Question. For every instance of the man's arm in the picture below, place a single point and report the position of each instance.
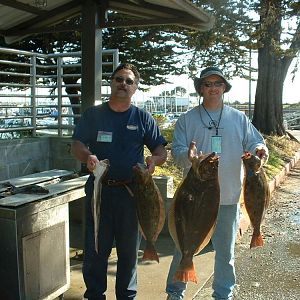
(159, 156)
(83, 154)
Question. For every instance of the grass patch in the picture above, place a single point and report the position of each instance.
(282, 149)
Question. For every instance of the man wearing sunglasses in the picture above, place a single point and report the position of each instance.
(213, 126)
(117, 131)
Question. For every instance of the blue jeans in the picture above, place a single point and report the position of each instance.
(118, 223)
(223, 241)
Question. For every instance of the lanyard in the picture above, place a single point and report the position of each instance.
(216, 126)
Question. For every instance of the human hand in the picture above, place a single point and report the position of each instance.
(150, 161)
(91, 162)
(192, 152)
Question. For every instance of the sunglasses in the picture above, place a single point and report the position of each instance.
(213, 83)
(121, 79)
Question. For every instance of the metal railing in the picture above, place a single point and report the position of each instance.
(40, 93)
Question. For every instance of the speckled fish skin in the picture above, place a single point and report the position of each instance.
(193, 213)
(150, 209)
(256, 195)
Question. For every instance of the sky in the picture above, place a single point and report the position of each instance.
(240, 88)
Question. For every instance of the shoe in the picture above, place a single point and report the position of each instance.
(172, 297)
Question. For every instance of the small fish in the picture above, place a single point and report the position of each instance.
(27, 189)
(99, 172)
(150, 209)
(193, 213)
(256, 195)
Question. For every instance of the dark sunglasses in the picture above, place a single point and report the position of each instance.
(121, 79)
(213, 83)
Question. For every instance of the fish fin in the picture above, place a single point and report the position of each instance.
(187, 274)
(150, 252)
(256, 241)
(142, 232)
(172, 226)
(162, 212)
(206, 240)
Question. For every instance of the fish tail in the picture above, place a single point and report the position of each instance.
(186, 274)
(150, 252)
(256, 241)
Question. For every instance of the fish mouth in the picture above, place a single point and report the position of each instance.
(212, 157)
(246, 155)
(207, 167)
(252, 162)
(106, 161)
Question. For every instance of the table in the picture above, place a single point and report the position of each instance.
(34, 237)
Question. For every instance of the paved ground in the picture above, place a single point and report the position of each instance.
(151, 276)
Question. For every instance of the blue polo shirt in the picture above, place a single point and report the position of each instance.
(118, 136)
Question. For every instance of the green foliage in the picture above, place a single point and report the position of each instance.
(160, 119)
(159, 51)
(240, 26)
(168, 133)
(152, 50)
(282, 150)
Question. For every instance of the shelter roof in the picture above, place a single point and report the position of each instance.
(20, 18)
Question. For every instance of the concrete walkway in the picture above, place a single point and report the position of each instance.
(151, 276)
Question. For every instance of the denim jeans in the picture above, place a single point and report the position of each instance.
(118, 223)
(223, 241)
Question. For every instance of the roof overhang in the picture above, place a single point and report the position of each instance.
(20, 18)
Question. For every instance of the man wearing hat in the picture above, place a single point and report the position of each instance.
(209, 127)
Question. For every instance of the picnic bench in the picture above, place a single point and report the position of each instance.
(34, 231)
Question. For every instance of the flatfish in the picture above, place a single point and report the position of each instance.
(256, 195)
(150, 209)
(193, 213)
(99, 172)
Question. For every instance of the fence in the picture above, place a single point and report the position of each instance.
(40, 93)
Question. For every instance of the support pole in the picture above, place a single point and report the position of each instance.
(91, 55)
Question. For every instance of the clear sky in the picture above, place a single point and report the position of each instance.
(240, 88)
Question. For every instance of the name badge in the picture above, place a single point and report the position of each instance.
(216, 144)
(132, 127)
(104, 136)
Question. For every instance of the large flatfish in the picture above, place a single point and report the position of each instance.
(99, 172)
(193, 213)
(256, 195)
(150, 209)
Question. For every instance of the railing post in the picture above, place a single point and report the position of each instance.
(33, 92)
(59, 94)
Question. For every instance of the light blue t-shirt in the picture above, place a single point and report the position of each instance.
(237, 136)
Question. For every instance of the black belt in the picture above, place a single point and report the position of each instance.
(112, 182)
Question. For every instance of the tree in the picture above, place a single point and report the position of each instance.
(152, 50)
(273, 63)
(237, 30)
(239, 27)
